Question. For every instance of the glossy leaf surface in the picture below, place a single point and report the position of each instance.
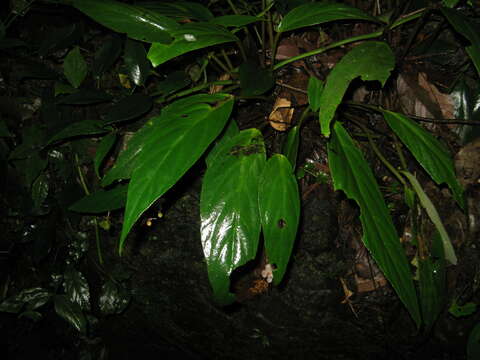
(234, 20)
(70, 311)
(352, 175)
(80, 128)
(434, 217)
(319, 13)
(227, 134)
(106, 56)
(75, 67)
(102, 201)
(290, 147)
(279, 206)
(114, 298)
(136, 62)
(76, 288)
(189, 37)
(371, 60)
(179, 137)
(31, 298)
(181, 10)
(137, 22)
(428, 151)
(230, 224)
(128, 108)
(315, 89)
(466, 102)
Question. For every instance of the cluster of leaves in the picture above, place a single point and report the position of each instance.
(244, 192)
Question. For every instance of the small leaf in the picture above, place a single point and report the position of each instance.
(319, 13)
(290, 147)
(315, 89)
(136, 62)
(458, 310)
(234, 20)
(80, 128)
(428, 151)
(230, 224)
(189, 37)
(177, 139)
(279, 206)
(71, 312)
(106, 56)
(113, 298)
(254, 80)
(371, 60)
(128, 108)
(351, 173)
(74, 67)
(102, 151)
(434, 217)
(85, 97)
(102, 201)
(76, 288)
(137, 22)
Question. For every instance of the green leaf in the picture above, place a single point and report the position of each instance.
(466, 102)
(279, 206)
(103, 149)
(351, 173)
(371, 60)
(76, 288)
(189, 37)
(85, 97)
(102, 201)
(31, 298)
(80, 128)
(57, 38)
(434, 217)
(175, 81)
(179, 137)
(181, 10)
(230, 224)
(227, 134)
(290, 147)
(254, 80)
(234, 20)
(74, 67)
(428, 151)
(468, 29)
(106, 56)
(431, 272)
(473, 346)
(62, 88)
(136, 62)
(113, 298)
(458, 310)
(137, 22)
(315, 89)
(319, 13)
(72, 312)
(40, 190)
(450, 3)
(128, 108)
(4, 132)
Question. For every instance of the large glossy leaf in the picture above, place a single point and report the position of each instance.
(230, 224)
(351, 173)
(31, 299)
(466, 102)
(428, 151)
(137, 22)
(136, 62)
(80, 128)
(106, 56)
(102, 201)
(467, 28)
(279, 206)
(104, 147)
(71, 311)
(189, 37)
(181, 10)
(76, 288)
(128, 108)
(371, 60)
(182, 133)
(113, 299)
(319, 13)
(434, 217)
(227, 134)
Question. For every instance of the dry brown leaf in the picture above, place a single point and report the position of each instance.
(281, 116)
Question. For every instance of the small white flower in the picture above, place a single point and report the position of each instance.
(190, 37)
(267, 273)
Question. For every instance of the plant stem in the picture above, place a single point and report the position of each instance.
(221, 64)
(200, 87)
